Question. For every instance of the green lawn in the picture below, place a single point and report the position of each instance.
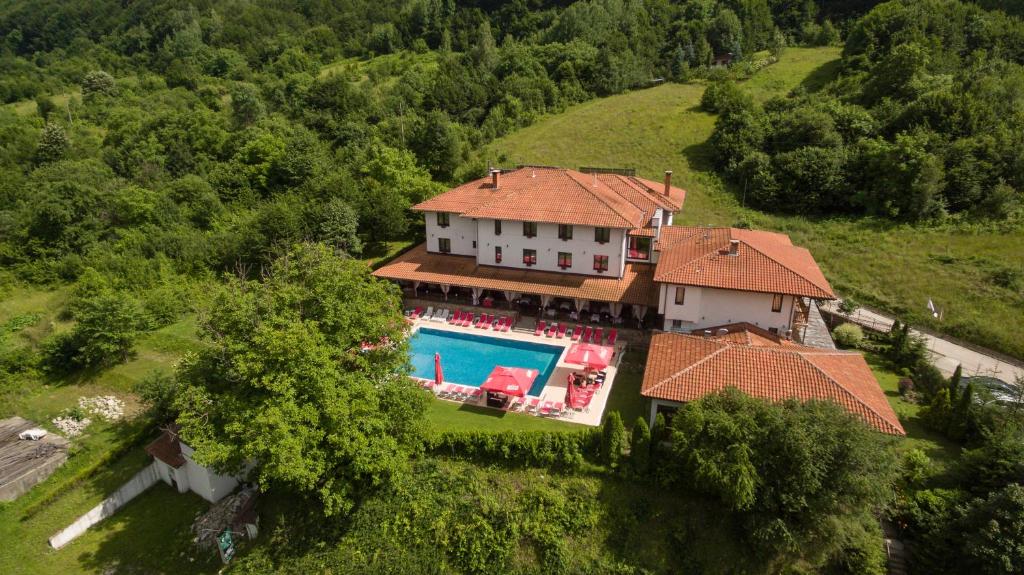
(893, 267)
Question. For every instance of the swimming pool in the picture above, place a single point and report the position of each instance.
(467, 359)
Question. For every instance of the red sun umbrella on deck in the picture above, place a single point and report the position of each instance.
(438, 375)
(515, 381)
(589, 355)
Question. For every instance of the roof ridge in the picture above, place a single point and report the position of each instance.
(747, 243)
(572, 176)
(687, 263)
(627, 199)
(835, 383)
(725, 346)
(656, 197)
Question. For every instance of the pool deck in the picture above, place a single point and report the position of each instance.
(555, 388)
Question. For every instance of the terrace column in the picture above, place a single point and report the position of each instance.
(616, 308)
(544, 301)
(477, 292)
(580, 304)
(641, 312)
(415, 288)
(444, 290)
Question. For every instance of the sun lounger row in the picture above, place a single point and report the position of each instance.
(578, 333)
(460, 392)
(482, 321)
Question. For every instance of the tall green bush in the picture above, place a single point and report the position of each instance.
(640, 447)
(613, 440)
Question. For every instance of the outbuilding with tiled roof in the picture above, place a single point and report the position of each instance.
(682, 368)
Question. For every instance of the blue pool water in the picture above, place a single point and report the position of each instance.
(467, 359)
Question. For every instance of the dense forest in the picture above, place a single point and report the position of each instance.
(149, 149)
(924, 121)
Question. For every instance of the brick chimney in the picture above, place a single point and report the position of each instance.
(668, 181)
(495, 177)
(734, 247)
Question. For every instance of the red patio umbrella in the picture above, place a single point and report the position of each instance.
(438, 375)
(515, 381)
(589, 355)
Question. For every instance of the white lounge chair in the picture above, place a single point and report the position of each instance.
(441, 315)
(428, 314)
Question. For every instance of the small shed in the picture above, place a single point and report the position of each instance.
(26, 462)
(175, 467)
(722, 60)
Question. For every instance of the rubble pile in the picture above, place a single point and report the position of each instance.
(107, 407)
(71, 427)
(221, 515)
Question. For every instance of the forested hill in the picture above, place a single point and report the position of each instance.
(926, 120)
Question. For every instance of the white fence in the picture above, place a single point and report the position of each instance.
(142, 481)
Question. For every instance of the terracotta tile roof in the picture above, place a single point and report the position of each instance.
(635, 287)
(766, 262)
(167, 448)
(685, 368)
(647, 232)
(559, 196)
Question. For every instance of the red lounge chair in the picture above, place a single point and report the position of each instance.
(577, 331)
(561, 330)
(477, 393)
(612, 336)
(456, 317)
(467, 319)
(481, 322)
(550, 331)
(586, 334)
(508, 324)
(416, 313)
(545, 408)
(540, 327)
(500, 323)
(557, 408)
(599, 335)
(531, 405)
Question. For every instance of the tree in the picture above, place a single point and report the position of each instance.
(613, 439)
(796, 478)
(97, 83)
(53, 144)
(106, 327)
(158, 392)
(993, 531)
(338, 226)
(282, 384)
(246, 105)
(640, 447)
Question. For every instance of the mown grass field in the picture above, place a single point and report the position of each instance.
(890, 266)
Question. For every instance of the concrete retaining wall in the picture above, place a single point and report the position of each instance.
(142, 481)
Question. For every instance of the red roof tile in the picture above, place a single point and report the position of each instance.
(167, 448)
(685, 368)
(765, 262)
(635, 287)
(557, 195)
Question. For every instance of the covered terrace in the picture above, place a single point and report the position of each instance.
(554, 295)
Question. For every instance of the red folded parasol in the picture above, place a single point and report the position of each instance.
(589, 355)
(438, 376)
(515, 381)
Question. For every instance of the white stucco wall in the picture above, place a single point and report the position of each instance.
(582, 247)
(205, 483)
(707, 307)
(461, 231)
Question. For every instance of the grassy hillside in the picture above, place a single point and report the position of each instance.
(972, 272)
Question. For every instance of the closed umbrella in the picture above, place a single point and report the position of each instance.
(438, 375)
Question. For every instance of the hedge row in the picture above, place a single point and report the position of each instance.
(567, 449)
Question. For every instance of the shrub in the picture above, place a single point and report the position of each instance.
(158, 391)
(566, 449)
(722, 94)
(848, 335)
(613, 439)
(640, 447)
